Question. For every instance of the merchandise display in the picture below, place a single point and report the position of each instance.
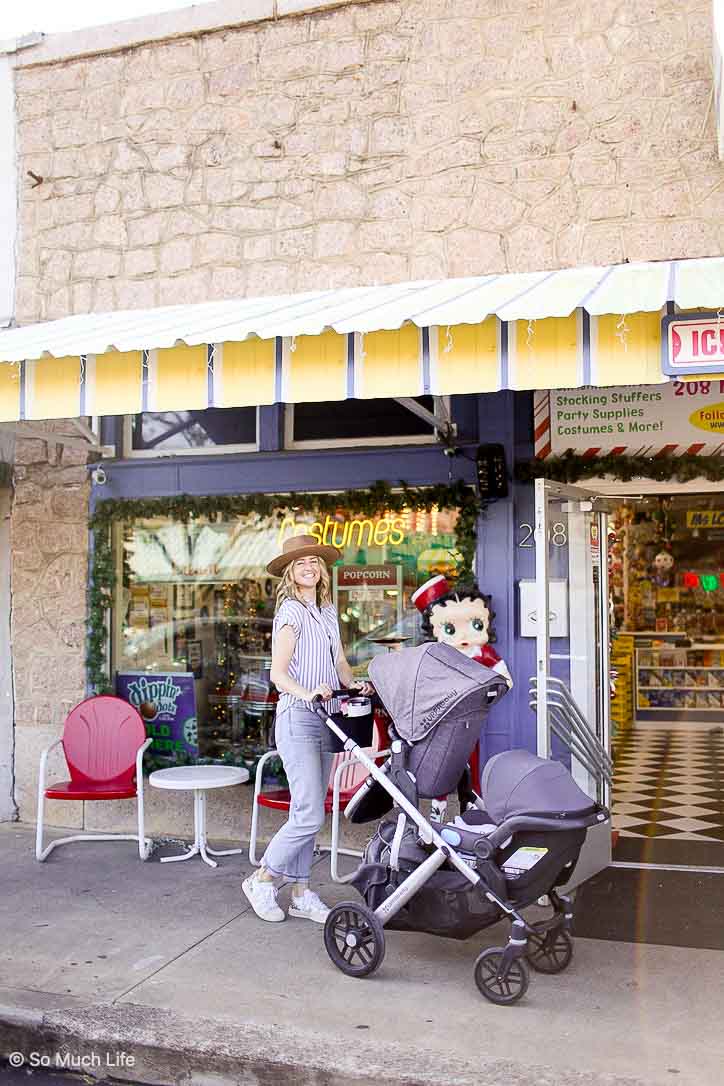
(671, 677)
(622, 681)
(666, 576)
(666, 566)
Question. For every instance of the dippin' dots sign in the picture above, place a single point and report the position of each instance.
(154, 696)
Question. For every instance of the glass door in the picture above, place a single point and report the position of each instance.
(571, 686)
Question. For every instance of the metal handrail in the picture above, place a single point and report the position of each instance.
(564, 692)
(579, 731)
(570, 740)
(567, 722)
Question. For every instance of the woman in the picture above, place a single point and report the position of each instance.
(307, 660)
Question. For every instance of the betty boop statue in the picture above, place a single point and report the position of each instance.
(460, 616)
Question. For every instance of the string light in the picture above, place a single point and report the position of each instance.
(530, 331)
(622, 331)
(434, 517)
(448, 341)
(709, 582)
(293, 344)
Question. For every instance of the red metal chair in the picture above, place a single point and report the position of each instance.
(103, 741)
(346, 777)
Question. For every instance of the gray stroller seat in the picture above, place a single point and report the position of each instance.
(438, 704)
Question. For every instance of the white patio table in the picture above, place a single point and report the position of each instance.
(198, 779)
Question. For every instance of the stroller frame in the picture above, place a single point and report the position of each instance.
(502, 979)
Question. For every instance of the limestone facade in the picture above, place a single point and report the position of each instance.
(367, 143)
(48, 577)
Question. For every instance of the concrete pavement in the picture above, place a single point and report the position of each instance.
(165, 962)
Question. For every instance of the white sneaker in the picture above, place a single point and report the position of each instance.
(309, 906)
(262, 897)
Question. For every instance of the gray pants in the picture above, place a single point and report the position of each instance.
(298, 738)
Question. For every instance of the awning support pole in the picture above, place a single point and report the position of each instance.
(441, 422)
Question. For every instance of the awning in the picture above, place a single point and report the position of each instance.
(536, 330)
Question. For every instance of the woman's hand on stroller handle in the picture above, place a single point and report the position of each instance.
(321, 693)
(363, 688)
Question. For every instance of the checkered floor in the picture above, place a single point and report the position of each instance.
(669, 784)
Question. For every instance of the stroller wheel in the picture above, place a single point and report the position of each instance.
(504, 990)
(355, 939)
(550, 952)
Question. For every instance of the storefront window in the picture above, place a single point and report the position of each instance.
(154, 432)
(194, 608)
(352, 421)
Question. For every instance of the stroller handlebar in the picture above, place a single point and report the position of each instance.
(350, 692)
(319, 700)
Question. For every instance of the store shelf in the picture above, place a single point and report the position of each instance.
(701, 689)
(679, 709)
(678, 667)
(678, 695)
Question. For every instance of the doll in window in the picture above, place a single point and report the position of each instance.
(460, 616)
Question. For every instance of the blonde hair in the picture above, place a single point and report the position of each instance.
(288, 589)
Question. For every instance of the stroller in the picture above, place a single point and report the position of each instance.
(518, 842)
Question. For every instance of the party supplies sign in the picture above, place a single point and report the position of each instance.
(676, 417)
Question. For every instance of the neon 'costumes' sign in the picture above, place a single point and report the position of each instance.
(357, 532)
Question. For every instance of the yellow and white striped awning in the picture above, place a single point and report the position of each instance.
(560, 329)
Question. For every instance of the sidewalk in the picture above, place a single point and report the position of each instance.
(166, 962)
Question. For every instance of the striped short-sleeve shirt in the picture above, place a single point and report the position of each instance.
(315, 652)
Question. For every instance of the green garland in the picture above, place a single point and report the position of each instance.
(572, 468)
(369, 502)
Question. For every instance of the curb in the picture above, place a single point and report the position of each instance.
(134, 1043)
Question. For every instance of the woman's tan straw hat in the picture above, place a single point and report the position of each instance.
(301, 546)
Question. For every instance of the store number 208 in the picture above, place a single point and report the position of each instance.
(557, 534)
(698, 388)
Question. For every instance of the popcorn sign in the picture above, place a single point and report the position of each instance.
(167, 703)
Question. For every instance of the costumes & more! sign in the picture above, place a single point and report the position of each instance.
(676, 417)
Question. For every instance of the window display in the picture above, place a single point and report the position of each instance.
(191, 638)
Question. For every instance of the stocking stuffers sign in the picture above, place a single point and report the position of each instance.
(684, 416)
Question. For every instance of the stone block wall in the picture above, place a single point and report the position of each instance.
(49, 564)
(368, 144)
(8, 809)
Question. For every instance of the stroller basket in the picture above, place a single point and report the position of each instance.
(360, 728)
